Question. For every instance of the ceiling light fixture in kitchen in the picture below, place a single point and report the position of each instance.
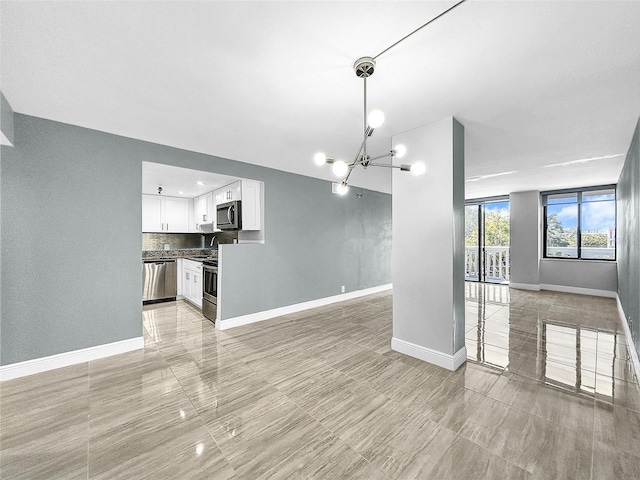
(364, 68)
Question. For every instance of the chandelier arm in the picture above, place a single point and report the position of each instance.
(358, 157)
(380, 156)
(346, 179)
(420, 28)
(386, 165)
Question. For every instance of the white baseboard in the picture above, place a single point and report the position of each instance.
(38, 365)
(298, 307)
(564, 289)
(627, 334)
(525, 286)
(444, 360)
(578, 290)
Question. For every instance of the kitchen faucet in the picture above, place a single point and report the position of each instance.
(215, 241)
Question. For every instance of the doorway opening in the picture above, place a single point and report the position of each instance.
(487, 240)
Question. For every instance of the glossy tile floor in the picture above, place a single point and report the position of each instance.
(548, 392)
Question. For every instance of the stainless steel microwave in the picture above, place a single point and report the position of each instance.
(229, 215)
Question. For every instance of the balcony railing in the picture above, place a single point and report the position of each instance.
(496, 261)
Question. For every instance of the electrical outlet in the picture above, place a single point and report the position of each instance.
(342, 289)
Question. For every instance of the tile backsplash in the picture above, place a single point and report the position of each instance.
(157, 241)
(223, 237)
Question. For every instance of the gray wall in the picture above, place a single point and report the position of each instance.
(595, 275)
(458, 237)
(71, 227)
(628, 234)
(525, 234)
(71, 236)
(6, 115)
(428, 247)
(315, 242)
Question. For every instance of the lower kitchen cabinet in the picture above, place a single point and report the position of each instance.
(192, 282)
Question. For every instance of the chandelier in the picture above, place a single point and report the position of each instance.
(364, 68)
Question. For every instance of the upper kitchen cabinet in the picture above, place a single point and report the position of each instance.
(152, 220)
(250, 193)
(165, 214)
(204, 210)
(251, 200)
(176, 214)
(229, 193)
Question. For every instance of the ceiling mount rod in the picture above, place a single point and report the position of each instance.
(419, 28)
(364, 142)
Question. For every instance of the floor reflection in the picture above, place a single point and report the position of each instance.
(570, 342)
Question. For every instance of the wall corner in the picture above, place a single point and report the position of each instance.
(6, 122)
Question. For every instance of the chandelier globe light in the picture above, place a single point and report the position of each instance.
(339, 168)
(342, 188)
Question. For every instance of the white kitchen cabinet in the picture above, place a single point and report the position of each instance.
(201, 209)
(193, 227)
(250, 193)
(185, 276)
(152, 213)
(196, 288)
(176, 214)
(179, 289)
(204, 209)
(192, 282)
(165, 214)
(251, 205)
(228, 193)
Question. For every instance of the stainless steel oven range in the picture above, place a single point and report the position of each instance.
(210, 289)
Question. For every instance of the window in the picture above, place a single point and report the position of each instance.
(581, 223)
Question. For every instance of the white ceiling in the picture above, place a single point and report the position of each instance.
(180, 182)
(534, 83)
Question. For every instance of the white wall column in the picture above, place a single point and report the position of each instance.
(428, 246)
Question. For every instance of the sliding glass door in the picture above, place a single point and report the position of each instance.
(487, 240)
